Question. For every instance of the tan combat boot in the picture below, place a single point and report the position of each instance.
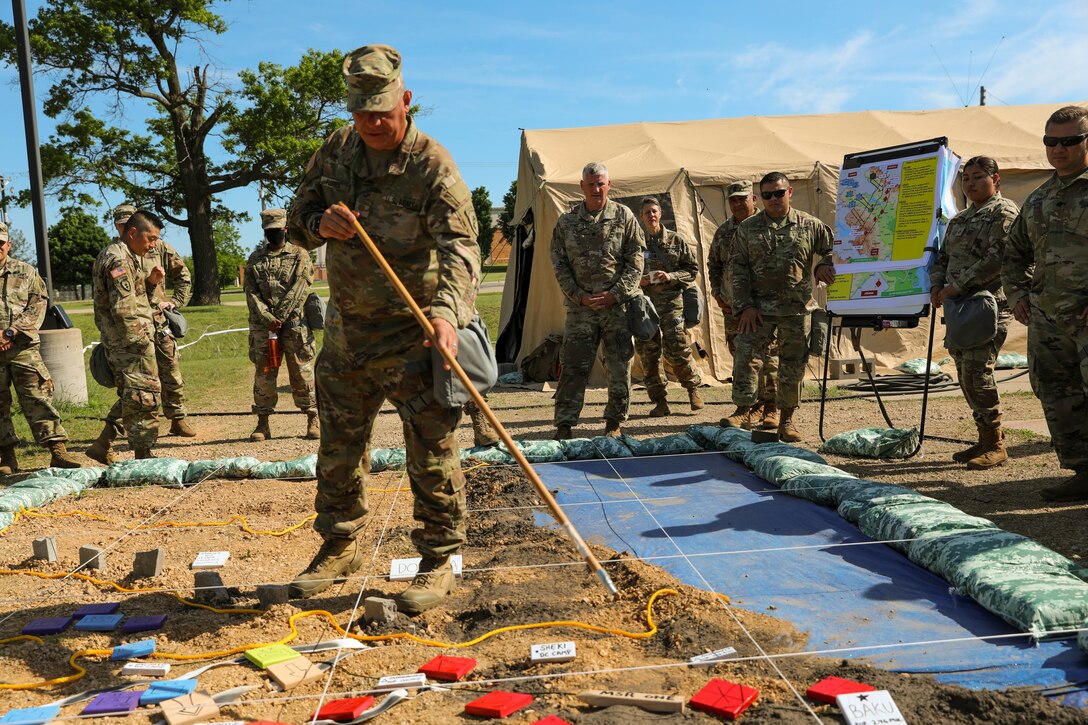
(992, 450)
(334, 561)
(433, 583)
(102, 448)
(143, 453)
(262, 432)
(695, 400)
(562, 433)
(968, 453)
(8, 463)
(612, 428)
(742, 417)
(59, 457)
(660, 410)
(770, 417)
(313, 428)
(1071, 489)
(482, 432)
(181, 427)
(787, 431)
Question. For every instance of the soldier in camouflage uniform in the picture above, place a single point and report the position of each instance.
(969, 262)
(24, 303)
(279, 277)
(773, 258)
(597, 256)
(407, 192)
(669, 264)
(742, 203)
(1045, 276)
(122, 313)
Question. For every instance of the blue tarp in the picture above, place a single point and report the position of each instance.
(723, 527)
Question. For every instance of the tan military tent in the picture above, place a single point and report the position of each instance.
(692, 162)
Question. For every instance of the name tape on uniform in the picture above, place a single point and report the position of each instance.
(553, 652)
(406, 569)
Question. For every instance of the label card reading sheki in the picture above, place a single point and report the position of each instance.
(403, 570)
(870, 708)
(210, 559)
(395, 682)
(552, 652)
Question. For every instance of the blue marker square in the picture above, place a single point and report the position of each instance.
(99, 622)
(112, 702)
(89, 609)
(133, 650)
(31, 715)
(143, 623)
(47, 625)
(168, 690)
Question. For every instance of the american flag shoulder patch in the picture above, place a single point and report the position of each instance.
(117, 272)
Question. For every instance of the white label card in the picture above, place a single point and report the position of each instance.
(210, 559)
(718, 654)
(146, 669)
(870, 708)
(553, 652)
(395, 682)
(402, 570)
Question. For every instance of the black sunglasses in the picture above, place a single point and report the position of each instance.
(1052, 141)
(776, 194)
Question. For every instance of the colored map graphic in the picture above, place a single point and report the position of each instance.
(879, 285)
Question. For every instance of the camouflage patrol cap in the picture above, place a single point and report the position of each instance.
(739, 188)
(4, 233)
(372, 74)
(273, 219)
(122, 213)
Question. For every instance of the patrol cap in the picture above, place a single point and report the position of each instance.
(273, 219)
(4, 233)
(122, 213)
(372, 74)
(739, 188)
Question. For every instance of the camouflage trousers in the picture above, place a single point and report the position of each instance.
(1058, 369)
(768, 373)
(583, 333)
(23, 369)
(975, 371)
(670, 341)
(168, 359)
(297, 353)
(792, 333)
(136, 374)
(349, 395)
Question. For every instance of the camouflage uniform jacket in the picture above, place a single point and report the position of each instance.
(277, 283)
(719, 264)
(122, 311)
(974, 244)
(598, 253)
(1046, 254)
(24, 300)
(176, 273)
(669, 253)
(773, 262)
(419, 213)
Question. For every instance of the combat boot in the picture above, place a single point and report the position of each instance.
(1071, 489)
(59, 457)
(313, 428)
(695, 399)
(787, 431)
(562, 433)
(992, 453)
(432, 585)
(482, 432)
(102, 448)
(143, 453)
(181, 427)
(612, 428)
(334, 561)
(8, 463)
(770, 417)
(262, 432)
(661, 409)
(968, 453)
(742, 417)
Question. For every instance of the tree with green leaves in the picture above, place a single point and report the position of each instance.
(229, 253)
(509, 199)
(77, 238)
(142, 59)
(481, 202)
(21, 249)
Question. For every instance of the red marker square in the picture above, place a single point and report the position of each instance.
(552, 720)
(498, 704)
(267, 722)
(828, 688)
(444, 667)
(347, 709)
(724, 698)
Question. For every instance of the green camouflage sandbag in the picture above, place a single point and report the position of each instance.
(235, 467)
(1082, 637)
(305, 467)
(816, 487)
(779, 468)
(663, 445)
(147, 472)
(873, 443)
(6, 519)
(494, 455)
(1009, 360)
(611, 447)
(754, 455)
(896, 520)
(854, 495)
(716, 438)
(917, 366)
(538, 451)
(88, 475)
(579, 449)
(36, 492)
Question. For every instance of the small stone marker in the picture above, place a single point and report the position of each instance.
(48, 625)
(827, 689)
(148, 563)
(396, 682)
(46, 549)
(209, 588)
(189, 709)
(870, 708)
(450, 669)
(293, 673)
(271, 594)
(133, 650)
(646, 701)
(104, 608)
(498, 704)
(210, 560)
(341, 710)
(553, 652)
(146, 669)
(402, 570)
(143, 623)
(112, 703)
(724, 698)
(270, 655)
(379, 609)
(99, 622)
(718, 654)
(92, 557)
(158, 692)
(31, 715)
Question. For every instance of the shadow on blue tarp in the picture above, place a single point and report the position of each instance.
(743, 537)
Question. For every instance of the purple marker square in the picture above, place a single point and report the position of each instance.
(47, 625)
(113, 702)
(143, 623)
(89, 609)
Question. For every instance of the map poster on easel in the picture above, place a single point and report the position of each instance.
(892, 207)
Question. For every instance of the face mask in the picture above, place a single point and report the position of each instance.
(275, 237)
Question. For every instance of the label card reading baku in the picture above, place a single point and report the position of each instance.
(403, 570)
(552, 652)
(870, 708)
(210, 559)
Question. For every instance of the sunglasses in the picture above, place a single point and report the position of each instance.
(776, 194)
(1052, 141)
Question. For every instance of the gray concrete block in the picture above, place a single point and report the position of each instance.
(92, 557)
(209, 588)
(379, 609)
(272, 594)
(46, 549)
(148, 563)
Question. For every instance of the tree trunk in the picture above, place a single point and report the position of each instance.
(205, 265)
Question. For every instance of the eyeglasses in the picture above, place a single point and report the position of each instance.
(776, 194)
(1067, 141)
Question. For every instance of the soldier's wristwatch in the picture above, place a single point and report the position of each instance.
(315, 225)
(9, 334)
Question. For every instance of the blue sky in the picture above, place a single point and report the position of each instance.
(489, 68)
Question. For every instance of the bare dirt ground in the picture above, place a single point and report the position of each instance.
(515, 573)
